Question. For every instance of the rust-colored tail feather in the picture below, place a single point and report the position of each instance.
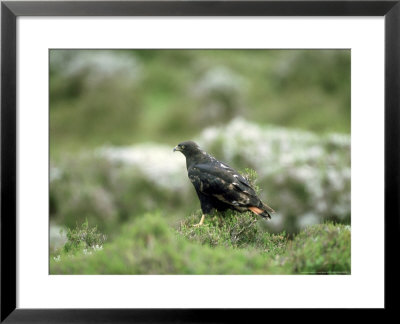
(262, 212)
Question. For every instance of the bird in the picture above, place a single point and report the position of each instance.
(219, 186)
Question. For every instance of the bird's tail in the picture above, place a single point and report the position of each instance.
(262, 210)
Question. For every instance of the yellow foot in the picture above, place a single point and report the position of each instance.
(201, 221)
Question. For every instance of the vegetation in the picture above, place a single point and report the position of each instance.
(131, 96)
(83, 238)
(122, 198)
(304, 177)
(233, 230)
(149, 245)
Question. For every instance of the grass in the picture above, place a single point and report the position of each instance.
(225, 245)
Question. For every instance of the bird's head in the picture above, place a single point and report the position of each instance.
(187, 148)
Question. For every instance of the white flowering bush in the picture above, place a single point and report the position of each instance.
(305, 177)
(155, 161)
(110, 185)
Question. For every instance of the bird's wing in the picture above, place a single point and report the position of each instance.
(223, 183)
(239, 178)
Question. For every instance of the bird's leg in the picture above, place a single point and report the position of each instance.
(201, 221)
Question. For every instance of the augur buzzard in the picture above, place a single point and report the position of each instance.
(218, 186)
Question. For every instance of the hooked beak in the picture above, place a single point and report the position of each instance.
(176, 148)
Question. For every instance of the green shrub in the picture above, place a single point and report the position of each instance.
(232, 229)
(320, 249)
(148, 245)
(83, 238)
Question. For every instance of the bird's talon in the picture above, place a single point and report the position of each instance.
(201, 221)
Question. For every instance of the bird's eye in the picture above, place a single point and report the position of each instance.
(183, 146)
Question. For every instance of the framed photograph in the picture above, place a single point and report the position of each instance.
(162, 158)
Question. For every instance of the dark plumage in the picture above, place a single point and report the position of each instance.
(218, 186)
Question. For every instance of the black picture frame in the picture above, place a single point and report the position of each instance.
(10, 10)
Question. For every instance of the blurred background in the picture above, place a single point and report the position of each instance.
(115, 116)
